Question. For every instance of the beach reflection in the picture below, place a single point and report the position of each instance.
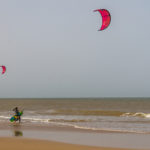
(18, 133)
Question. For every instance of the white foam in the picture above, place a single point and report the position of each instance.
(137, 114)
(4, 117)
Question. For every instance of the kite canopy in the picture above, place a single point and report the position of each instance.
(106, 18)
(3, 69)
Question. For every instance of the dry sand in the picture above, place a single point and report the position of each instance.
(31, 144)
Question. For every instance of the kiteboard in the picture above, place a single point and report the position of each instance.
(15, 117)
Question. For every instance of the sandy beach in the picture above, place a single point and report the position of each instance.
(31, 144)
(70, 140)
(45, 125)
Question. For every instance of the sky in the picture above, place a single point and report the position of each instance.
(53, 49)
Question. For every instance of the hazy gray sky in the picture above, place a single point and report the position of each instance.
(52, 48)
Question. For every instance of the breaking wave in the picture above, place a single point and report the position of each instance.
(137, 114)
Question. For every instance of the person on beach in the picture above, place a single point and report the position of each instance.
(17, 113)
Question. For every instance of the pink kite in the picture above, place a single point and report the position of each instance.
(106, 18)
(3, 69)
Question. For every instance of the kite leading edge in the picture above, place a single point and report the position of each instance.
(3, 69)
(106, 18)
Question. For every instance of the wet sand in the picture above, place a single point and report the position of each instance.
(24, 133)
(86, 139)
(31, 144)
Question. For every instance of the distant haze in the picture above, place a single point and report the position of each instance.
(52, 48)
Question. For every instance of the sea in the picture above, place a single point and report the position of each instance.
(129, 115)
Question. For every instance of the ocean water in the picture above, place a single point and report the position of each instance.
(130, 115)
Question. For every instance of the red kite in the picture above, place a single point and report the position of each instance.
(106, 18)
(3, 69)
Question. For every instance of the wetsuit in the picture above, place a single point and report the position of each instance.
(17, 113)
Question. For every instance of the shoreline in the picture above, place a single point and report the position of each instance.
(60, 127)
(34, 144)
(79, 137)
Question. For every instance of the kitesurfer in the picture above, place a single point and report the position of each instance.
(17, 113)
